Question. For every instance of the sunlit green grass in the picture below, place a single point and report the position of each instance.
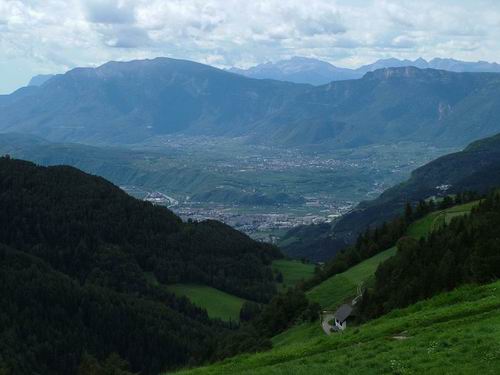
(217, 303)
(422, 227)
(338, 288)
(293, 271)
(452, 333)
(297, 333)
(342, 287)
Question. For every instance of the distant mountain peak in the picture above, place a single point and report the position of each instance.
(299, 69)
(40, 79)
(317, 72)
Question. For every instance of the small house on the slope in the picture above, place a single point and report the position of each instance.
(341, 315)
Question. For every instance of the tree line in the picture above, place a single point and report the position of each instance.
(286, 309)
(375, 240)
(466, 250)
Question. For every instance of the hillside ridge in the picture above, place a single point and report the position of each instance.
(129, 102)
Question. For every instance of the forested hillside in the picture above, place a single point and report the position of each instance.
(75, 235)
(463, 250)
(49, 321)
(476, 168)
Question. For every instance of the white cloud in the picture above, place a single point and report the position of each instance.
(109, 11)
(55, 35)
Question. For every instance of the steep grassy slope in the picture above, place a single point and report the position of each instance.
(339, 288)
(218, 304)
(435, 220)
(293, 271)
(455, 333)
(343, 287)
(330, 294)
(464, 251)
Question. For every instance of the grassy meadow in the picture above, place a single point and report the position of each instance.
(338, 288)
(218, 304)
(343, 287)
(293, 271)
(422, 227)
(452, 333)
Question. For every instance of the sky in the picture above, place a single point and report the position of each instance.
(53, 36)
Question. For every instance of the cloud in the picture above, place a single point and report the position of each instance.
(403, 41)
(109, 11)
(55, 35)
(118, 36)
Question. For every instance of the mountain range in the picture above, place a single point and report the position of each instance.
(317, 72)
(130, 102)
(476, 168)
(299, 70)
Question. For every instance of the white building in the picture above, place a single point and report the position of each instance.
(341, 315)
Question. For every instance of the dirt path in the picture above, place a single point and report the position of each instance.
(327, 327)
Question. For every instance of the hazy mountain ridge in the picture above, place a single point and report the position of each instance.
(299, 70)
(40, 79)
(318, 72)
(139, 99)
(131, 102)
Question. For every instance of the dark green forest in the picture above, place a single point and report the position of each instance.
(464, 251)
(82, 270)
(379, 238)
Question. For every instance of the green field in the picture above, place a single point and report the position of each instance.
(452, 333)
(343, 287)
(293, 271)
(217, 303)
(335, 290)
(422, 227)
(330, 294)
(297, 333)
